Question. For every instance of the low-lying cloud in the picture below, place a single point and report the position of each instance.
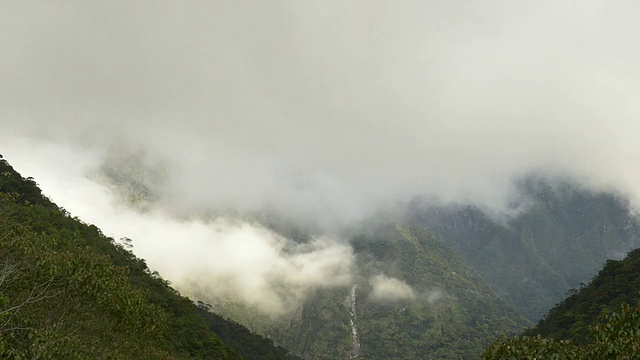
(249, 264)
(318, 112)
(212, 257)
(386, 289)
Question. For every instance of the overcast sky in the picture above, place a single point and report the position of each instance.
(323, 109)
(332, 103)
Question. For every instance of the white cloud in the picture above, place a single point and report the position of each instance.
(388, 289)
(318, 112)
(326, 111)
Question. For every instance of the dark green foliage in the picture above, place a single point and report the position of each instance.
(531, 348)
(25, 190)
(66, 301)
(320, 329)
(616, 337)
(69, 292)
(248, 345)
(595, 322)
(617, 283)
(560, 239)
(454, 315)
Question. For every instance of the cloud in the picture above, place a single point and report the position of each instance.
(211, 256)
(386, 289)
(248, 263)
(321, 112)
(327, 110)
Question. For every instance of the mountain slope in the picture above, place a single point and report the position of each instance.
(559, 240)
(456, 312)
(599, 321)
(67, 291)
(618, 282)
(412, 298)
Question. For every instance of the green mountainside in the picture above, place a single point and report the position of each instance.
(560, 239)
(442, 308)
(599, 321)
(448, 313)
(69, 292)
(616, 284)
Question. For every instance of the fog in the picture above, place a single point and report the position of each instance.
(386, 289)
(318, 112)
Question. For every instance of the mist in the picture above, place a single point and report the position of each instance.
(319, 113)
(386, 289)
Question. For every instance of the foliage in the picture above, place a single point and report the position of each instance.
(617, 283)
(25, 190)
(617, 337)
(248, 345)
(69, 302)
(559, 237)
(69, 292)
(454, 314)
(594, 322)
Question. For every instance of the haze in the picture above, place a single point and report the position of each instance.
(320, 112)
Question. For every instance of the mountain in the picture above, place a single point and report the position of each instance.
(431, 284)
(560, 239)
(617, 283)
(69, 292)
(413, 298)
(599, 321)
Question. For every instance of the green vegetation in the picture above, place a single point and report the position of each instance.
(617, 337)
(616, 284)
(595, 322)
(69, 292)
(558, 240)
(249, 345)
(454, 315)
(451, 314)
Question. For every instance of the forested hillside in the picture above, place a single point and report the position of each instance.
(413, 298)
(599, 321)
(560, 238)
(69, 292)
(616, 284)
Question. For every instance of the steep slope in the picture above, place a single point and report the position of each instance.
(599, 321)
(618, 282)
(413, 298)
(67, 291)
(559, 240)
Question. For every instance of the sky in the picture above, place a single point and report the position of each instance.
(321, 112)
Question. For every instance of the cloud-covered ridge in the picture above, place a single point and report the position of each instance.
(327, 110)
(319, 112)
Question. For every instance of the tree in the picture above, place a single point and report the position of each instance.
(616, 337)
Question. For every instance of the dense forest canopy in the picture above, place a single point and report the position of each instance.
(601, 320)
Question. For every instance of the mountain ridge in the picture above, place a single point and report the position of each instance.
(412, 297)
(559, 240)
(47, 254)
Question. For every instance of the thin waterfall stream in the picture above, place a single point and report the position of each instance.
(351, 306)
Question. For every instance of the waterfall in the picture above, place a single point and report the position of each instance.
(350, 302)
